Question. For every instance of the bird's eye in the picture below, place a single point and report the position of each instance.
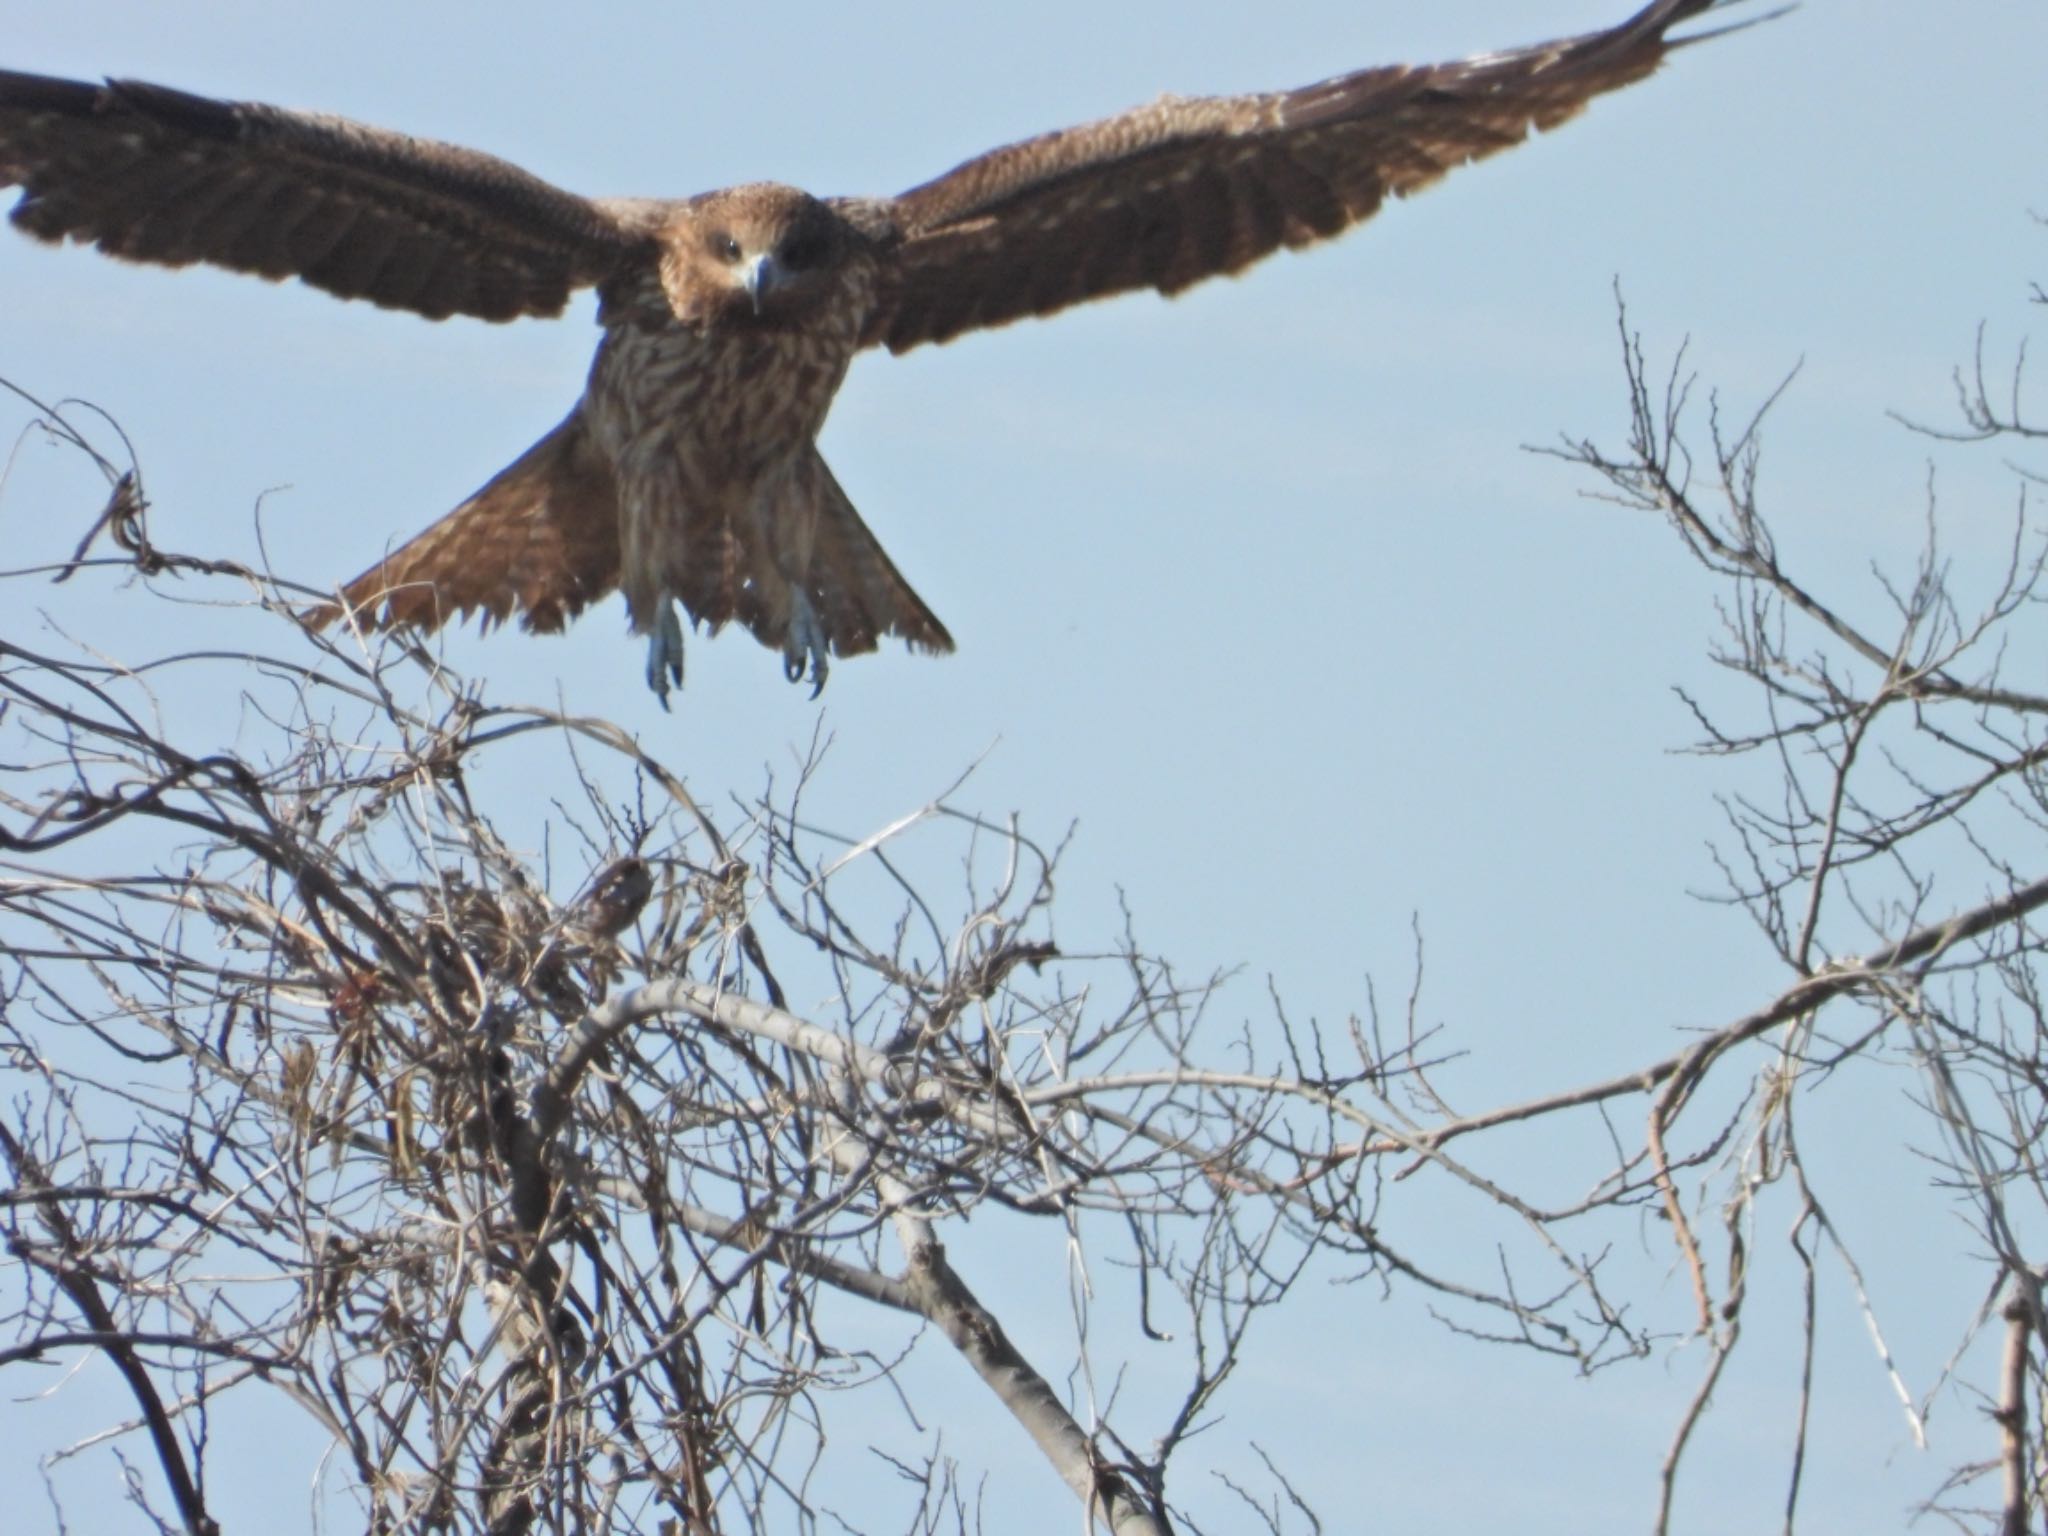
(728, 249)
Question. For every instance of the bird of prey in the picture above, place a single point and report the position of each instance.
(689, 470)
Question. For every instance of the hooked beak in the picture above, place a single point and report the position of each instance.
(760, 278)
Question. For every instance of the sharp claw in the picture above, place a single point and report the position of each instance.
(805, 647)
(665, 653)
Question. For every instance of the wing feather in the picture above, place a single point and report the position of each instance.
(1185, 189)
(153, 174)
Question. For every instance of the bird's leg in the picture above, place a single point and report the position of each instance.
(665, 652)
(805, 643)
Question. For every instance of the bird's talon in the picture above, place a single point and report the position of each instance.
(665, 654)
(804, 647)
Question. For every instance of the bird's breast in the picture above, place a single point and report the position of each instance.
(731, 402)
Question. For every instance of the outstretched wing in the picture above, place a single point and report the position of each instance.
(153, 174)
(1168, 194)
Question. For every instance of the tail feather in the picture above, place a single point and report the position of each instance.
(854, 586)
(746, 565)
(541, 539)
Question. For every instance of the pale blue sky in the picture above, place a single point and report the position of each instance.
(1257, 586)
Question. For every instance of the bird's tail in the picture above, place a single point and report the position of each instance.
(797, 567)
(854, 587)
(541, 539)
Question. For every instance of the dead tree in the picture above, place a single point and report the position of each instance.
(504, 1136)
(541, 1195)
(1892, 858)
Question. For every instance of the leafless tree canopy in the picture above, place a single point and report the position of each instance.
(448, 1076)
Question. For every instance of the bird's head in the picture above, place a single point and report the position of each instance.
(760, 253)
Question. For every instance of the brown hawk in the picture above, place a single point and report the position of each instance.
(689, 470)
